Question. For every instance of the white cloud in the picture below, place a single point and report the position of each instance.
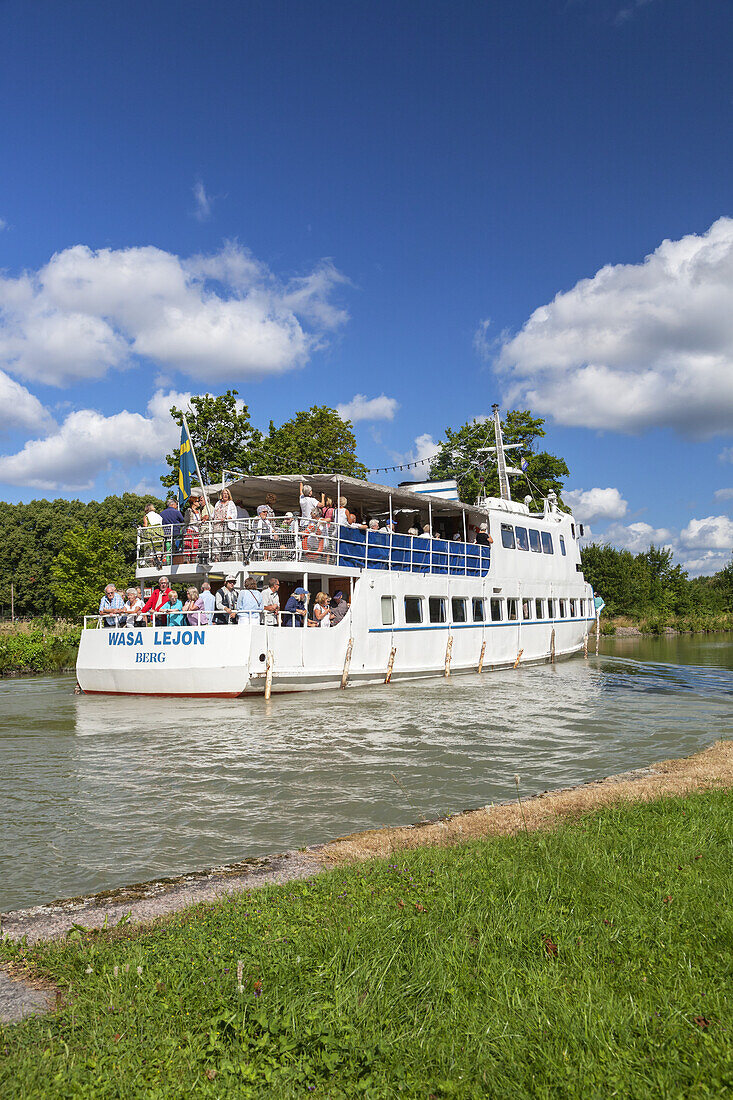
(711, 533)
(723, 494)
(3, 224)
(425, 447)
(592, 504)
(368, 408)
(638, 345)
(637, 536)
(88, 444)
(203, 202)
(726, 455)
(86, 312)
(705, 563)
(21, 408)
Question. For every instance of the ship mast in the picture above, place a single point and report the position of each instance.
(500, 461)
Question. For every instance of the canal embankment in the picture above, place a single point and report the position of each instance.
(572, 944)
(38, 646)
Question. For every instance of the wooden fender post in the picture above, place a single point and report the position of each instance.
(268, 674)
(585, 645)
(390, 665)
(598, 630)
(481, 658)
(552, 647)
(347, 663)
(448, 650)
(519, 657)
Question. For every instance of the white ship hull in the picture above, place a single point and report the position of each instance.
(230, 661)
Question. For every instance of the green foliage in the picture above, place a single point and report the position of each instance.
(85, 564)
(222, 436)
(648, 585)
(428, 975)
(40, 649)
(312, 442)
(32, 535)
(477, 475)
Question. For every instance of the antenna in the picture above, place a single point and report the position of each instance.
(501, 464)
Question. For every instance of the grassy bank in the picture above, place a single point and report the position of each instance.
(661, 623)
(586, 962)
(38, 646)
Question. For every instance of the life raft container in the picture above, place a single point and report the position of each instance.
(312, 543)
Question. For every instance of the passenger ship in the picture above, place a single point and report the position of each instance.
(418, 606)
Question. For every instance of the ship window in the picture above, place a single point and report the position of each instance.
(563, 608)
(572, 529)
(538, 609)
(582, 609)
(526, 609)
(550, 609)
(387, 610)
(573, 611)
(562, 545)
(496, 615)
(436, 609)
(413, 609)
(458, 607)
(534, 541)
(582, 530)
(478, 609)
(522, 540)
(507, 536)
(513, 609)
(547, 543)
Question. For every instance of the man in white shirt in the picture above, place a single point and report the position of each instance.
(271, 601)
(207, 599)
(308, 503)
(426, 532)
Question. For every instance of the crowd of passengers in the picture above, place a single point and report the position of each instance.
(173, 529)
(259, 603)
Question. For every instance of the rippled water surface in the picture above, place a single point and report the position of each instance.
(101, 792)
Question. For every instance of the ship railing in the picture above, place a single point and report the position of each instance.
(119, 619)
(288, 539)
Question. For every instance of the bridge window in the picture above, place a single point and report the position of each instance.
(526, 609)
(413, 609)
(572, 529)
(522, 540)
(507, 536)
(534, 541)
(563, 609)
(436, 609)
(458, 607)
(387, 610)
(538, 609)
(562, 545)
(478, 609)
(547, 542)
(582, 609)
(513, 610)
(496, 615)
(573, 609)
(550, 609)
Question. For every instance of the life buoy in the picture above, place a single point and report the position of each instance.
(312, 543)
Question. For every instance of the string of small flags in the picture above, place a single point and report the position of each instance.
(403, 465)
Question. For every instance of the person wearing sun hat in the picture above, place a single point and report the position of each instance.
(226, 602)
(295, 611)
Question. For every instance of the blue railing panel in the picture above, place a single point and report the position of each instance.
(371, 550)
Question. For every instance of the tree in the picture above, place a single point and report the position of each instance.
(477, 474)
(222, 435)
(86, 563)
(317, 441)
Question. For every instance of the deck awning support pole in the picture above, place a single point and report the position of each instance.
(465, 549)
(338, 525)
(390, 533)
(430, 523)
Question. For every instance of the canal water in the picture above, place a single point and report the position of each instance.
(101, 792)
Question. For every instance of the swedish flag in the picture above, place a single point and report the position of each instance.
(186, 468)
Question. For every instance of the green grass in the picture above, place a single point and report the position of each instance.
(590, 962)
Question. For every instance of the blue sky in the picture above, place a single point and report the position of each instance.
(432, 205)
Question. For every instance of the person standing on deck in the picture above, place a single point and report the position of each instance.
(339, 608)
(111, 600)
(295, 611)
(249, 603)
(226, 602)
(271, 601)
(158, 600)
(173, 519)
(207, 601)
(308, 503)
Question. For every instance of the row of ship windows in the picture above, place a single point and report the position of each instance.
(522, 538)
(500, 610)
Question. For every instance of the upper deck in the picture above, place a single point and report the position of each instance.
(288, 542)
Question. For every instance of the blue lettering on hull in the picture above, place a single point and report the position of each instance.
(164, 637)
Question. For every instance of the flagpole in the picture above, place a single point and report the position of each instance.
(196, 461)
